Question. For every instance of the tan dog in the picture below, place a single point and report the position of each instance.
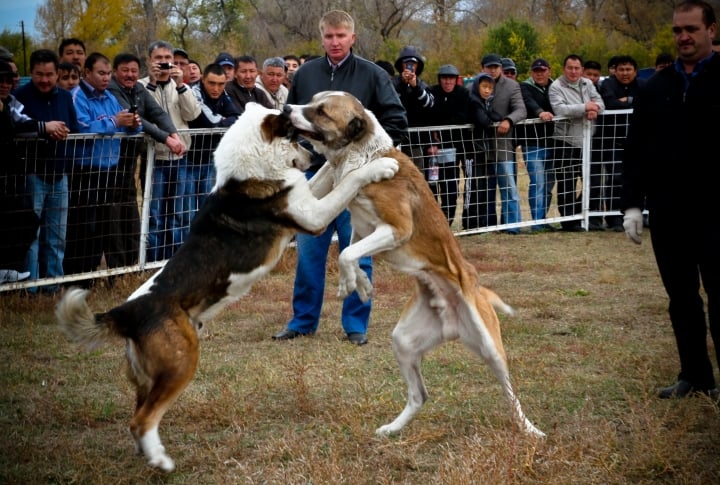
(260, 201)
(401, 219)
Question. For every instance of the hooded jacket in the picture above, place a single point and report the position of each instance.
(417, 100)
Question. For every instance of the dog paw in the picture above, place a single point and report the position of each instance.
(383, 168)
(346, 283)
(385, 430)
(162, 461)
(364, 286)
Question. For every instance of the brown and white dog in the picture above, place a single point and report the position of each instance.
(400, 219)
(261, 199)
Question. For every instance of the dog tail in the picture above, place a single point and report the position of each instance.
(497, 303)
(80, 324)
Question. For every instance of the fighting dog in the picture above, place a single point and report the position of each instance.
(400, 219)
(261, 199)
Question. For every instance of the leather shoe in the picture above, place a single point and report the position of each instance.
(287, 334)
(357, 338)
(683, 389)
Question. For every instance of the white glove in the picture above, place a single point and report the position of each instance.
(633, 224)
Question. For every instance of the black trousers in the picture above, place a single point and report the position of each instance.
(685, 259)
(94, 220)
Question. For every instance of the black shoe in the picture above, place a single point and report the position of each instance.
(287, 334)
(618, 228)
(595, 226)
(683, 389)
(357, 338)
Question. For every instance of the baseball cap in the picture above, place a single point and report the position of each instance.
(508, 64)
(181, 53)
(448, 70)
(491, 60)
(225, 59)
(539, 64)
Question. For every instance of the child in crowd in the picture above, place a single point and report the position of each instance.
(481, 111)
(68, 76)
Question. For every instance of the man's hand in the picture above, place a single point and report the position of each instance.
(57, 130)
(175, 144)
(504, 127)
(633, 224)
(127, 119)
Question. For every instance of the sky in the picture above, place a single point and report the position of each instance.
(13, 11)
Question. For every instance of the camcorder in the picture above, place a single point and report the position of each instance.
(165, 66)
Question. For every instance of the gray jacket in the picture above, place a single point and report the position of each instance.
(569, 101)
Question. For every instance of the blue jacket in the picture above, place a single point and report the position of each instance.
(96, 114)
(51, 157)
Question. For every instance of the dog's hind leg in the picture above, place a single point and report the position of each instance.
(479, 338)
(418, 331)
(163, 369)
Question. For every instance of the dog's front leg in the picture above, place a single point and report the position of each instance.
(314, 214)
(352, 278)
(322, 182)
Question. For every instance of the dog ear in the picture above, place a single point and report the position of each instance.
(274, 126)
(356, 128)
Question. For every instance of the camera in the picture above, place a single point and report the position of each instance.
(133, 109)
(165, 66)
(409, 66)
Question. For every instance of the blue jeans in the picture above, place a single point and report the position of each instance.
(166, 208)
(535, 161)
(49, 200)
(200, 181)
(510, 197)
(310, 280)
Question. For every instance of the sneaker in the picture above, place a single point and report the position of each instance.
(12, 276)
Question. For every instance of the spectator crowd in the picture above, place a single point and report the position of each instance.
(70, 202)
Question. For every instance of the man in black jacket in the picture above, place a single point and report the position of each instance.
(618, 92)
(667, 159)
(338, 70)
(535, 138)
(450, 107)
(217, 110)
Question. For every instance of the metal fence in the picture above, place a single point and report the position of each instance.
(96, 206)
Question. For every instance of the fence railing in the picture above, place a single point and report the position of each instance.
(96, 206)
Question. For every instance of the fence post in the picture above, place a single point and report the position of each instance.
(147, 197)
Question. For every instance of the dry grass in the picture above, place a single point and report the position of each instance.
(591, 343)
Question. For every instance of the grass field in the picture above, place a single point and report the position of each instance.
(590, 344)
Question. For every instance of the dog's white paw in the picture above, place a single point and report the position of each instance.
(385, 430)
(346, 281)
(162, 461)
(383, 168)
(364, 287)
